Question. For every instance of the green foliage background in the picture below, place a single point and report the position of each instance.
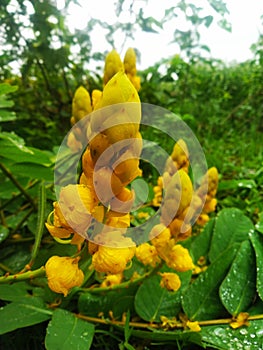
(223, 104)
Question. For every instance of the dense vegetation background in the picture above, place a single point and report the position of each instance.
(223, 104)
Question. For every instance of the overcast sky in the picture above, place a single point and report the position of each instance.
(235, 46)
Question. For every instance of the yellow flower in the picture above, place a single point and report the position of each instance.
(63, 274)
(81, 105)
(130, 68)
(112, 260)
(240, 320)
(180, 155)
(119, 89)
(170, 281)
(95, 97)
(113, 64)
(72, 214)
(112, 280)
(147, 254)
(179, 258)
(193, 326)
(160, 235)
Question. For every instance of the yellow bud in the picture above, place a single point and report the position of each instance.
(130, 61)
(63, 274)
(147, 254)
(113, 64)
(179, 259)
(170, 281)
(81, 104)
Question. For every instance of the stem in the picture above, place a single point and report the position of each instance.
(40, 222)
(17, 184)
(18, 277)
(122, 285)
(158, 325)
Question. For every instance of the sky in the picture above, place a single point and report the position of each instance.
(235, 46)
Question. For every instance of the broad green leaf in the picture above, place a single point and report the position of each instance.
(7, 116)
(201, 300)
(245, 338)
(13, 147)
(67, 332)
(153, 301)
(6, 88)
(3, 233)
(14, 292)
(117, 300)
(24, 313)
(201, 243)
(35, 171)
(169, 336)
(231, 226)
(238, 289)
(257, 242)
(259, 224)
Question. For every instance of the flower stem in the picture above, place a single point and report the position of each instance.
(18, 277)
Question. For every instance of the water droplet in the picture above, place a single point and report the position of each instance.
(219, 332)
(260, 333)
(243, 331)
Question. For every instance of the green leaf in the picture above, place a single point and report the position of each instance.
(238, 289)
(231, 226)
(6, 116)
(67, 332)
(201, 243)
(201, 300)
(14, 292)
(3, 233)
(13, 147)
(24, 313)
(246, 338)
(6, 88)
(236, 184)
(34, 171)
(151, 305)
(118, 301)
(259, 224)
(257, 242)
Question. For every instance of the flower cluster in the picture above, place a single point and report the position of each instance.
(192, 205)
(101, 201)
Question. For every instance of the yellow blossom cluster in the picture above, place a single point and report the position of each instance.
(101, 200)
(113, 65)
(163, 247)
(188, 203)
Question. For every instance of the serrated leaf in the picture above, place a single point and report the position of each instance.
(24, 313)
(201, 300)
(231, 226)
(257, 242)
(153, 301)
(221, 336)
(67, 332)
(238, 289)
